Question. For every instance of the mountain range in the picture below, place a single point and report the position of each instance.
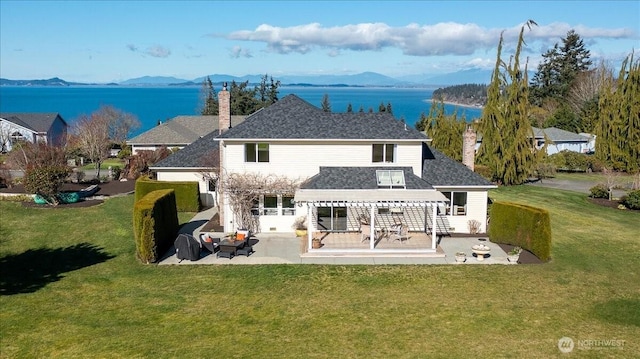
(471, 76)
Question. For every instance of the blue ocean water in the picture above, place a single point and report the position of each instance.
(153, 104)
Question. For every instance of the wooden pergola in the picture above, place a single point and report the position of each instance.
(418, 207)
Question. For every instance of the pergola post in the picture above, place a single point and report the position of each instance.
(434, 224)
(309, 228)
(372, 237)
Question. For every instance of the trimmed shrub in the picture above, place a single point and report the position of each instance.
(523, 226)
(632, 200)
(155, 224)
(187, 193)
(599, 191)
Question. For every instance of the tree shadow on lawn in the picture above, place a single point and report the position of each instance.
(31, 270)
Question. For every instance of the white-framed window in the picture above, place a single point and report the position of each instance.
(457, 205)
(390, 178)
(270, 205)
(273, 205)
(288, 206)
(256, 152)
(383, 152)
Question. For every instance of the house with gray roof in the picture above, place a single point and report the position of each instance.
(349, 166)
(558, 140)
(178, 132)
(16, 127)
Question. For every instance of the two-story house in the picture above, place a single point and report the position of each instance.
(353, 165)
(16, 127)
(350, 166)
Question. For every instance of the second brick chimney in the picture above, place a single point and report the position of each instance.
(224, 109)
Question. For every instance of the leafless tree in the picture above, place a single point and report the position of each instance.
(92, 137)
(586, 86)
(5, 138)
(612, 180)
(244, 189)
(120, 124)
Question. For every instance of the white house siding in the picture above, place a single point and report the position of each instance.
(9, 128)
(207, 198)
(580, 147)
(303, 159)
(476, 209)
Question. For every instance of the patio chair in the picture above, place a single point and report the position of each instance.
(247, 248)
(365, 232)
(210, 243)
(399, 232)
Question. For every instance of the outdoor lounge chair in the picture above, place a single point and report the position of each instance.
(209, 243)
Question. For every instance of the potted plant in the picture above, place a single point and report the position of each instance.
(461, 257)
(514, 254)
(300, 226)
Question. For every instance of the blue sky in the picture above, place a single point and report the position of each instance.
(104, 41)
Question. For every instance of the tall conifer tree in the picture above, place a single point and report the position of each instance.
(618, 126)
(507, 147)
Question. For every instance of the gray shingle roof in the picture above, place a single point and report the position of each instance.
(37, 122)
(558, 135)
(196, 155)
(358, 178)
(181, 130)
(293, 118)
(440, 170)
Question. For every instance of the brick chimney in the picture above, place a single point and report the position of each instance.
(469, 147)
(224, 109)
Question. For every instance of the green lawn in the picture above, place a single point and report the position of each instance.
(105, 164)
(71, 288)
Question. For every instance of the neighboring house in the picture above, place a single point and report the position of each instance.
(197, 162)
(178, 132)
(561, 140)
(49, 128)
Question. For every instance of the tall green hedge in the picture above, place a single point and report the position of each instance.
(187, 192)
(155, 224)
(521, 225)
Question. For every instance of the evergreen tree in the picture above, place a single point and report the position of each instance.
(349, 108)
(445, 131)
(326, 105)
(507, 137)
(208, 98)
(361, 110)
(389, 109)
(561, 65)
(243, 99)
(618, 127)
(267, 91)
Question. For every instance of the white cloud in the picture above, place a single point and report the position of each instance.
(440, 39)
(158, 51)
(237, 52)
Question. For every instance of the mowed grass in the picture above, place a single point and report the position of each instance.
(72, 288)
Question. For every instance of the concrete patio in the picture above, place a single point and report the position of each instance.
(285, 248)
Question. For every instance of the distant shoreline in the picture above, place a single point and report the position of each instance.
(451, 103)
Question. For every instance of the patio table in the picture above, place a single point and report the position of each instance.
(229, 248)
